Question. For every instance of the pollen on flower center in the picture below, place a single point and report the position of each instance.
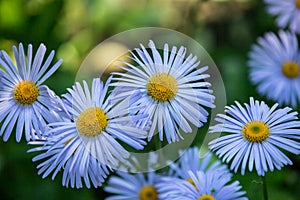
(148, 192)
(26, 92)
(162, 87)
(291, 69)
(297, 3)
(256, 131)
(206, 197)
(91, 121)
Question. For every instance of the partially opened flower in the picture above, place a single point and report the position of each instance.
(172, 89)
(205, 186)
(287, 12)
(275, 67)
(85, 145)
(257, 134)
(133, 186)
(193, 160)
(24, 102)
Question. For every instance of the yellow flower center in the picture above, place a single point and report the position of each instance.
(256, 131)
(290, 69)
(297, 3)
(26, 92)
(91, 121)
(162, 87)
(206, 197)
(192, 182)
(148, 192)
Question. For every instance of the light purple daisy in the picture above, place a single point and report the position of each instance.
(287, 13)
(24, 102)
(85, 142)
(203, 186)
(133, 186)
(275, 67)
(256, 136)
(172, 88)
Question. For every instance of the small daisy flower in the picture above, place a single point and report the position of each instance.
(275, 67)
(206, 186)
(84, 145)
(171, 88)
(193, 160)
(24, 102)
(257, 134)
(287, 12)
(133, 186)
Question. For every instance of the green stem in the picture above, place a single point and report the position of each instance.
(158, 144)
(265, 191)
(159, 152)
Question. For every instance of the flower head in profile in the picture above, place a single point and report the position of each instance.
(275, 67)
(257, 134)
(133, 186)
(287, 12)
(25, 103)
(193, 160)
(171, 88)
(84, 145)
(205, 186)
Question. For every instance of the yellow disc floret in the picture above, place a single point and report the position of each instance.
(297, 3)
(206, 197)
(290, 69)
(92, 121)
(26, 92)
(256, 131)
(148, 192)
(162, 87)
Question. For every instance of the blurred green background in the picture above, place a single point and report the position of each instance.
(225, 28)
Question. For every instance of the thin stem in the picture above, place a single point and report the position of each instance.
(159, 152)
(265, 190)
(158, 144)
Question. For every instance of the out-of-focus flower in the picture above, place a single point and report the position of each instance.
(193, 160)
(275, 67)
(287, 12)
(133, 186)
(204, 186)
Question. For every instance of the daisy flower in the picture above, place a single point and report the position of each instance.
(287, 12)
(206, 186)
(172, 89)
(275, 67)
(193, 160)
(257, 134)
(133, 186)
(24, 102)
(85, 145)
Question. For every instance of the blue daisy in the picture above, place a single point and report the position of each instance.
(171, 88)
(287, 12)
(193, 160)
(205, 186)
(275, 67)
(133, 186)
(84, 145)
(257, 134)
(24, 102)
